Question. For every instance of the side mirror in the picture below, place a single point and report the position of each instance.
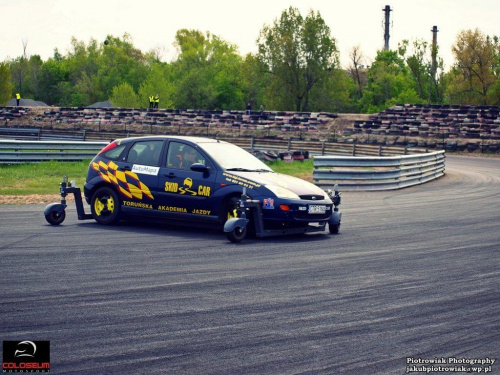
(198, 167)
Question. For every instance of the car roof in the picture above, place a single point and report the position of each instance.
(196, 140)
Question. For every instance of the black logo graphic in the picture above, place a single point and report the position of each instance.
(28, 349)
(26, 356)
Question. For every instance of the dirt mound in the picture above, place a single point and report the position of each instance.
(26, 103)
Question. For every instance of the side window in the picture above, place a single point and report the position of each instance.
(182, 156)
(145, 152)
(115, 152)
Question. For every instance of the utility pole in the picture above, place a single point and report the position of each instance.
(387, 10)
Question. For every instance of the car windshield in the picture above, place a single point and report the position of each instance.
(234, 158)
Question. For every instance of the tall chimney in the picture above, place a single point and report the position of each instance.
(434, 51)
(387, 10)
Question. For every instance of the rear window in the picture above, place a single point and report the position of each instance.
(115, 152)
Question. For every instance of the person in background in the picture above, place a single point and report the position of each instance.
(151, 101)
(157, 100)
(18, 98)
(249, 108)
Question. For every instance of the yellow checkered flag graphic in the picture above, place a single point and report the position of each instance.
(128, 182)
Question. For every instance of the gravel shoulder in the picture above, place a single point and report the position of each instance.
(34, 199)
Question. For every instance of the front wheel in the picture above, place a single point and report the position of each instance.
(237, 234)
(334, 228)
(105, 206)
(55, 217)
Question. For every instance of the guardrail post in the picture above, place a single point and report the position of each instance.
(379, 150)
(354, 149)
(289, 144)
(323, 148)
(252, 140)
(84, 134)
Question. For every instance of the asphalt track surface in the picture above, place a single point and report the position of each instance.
(414, 273)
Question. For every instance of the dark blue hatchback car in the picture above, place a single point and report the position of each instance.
(200, 180)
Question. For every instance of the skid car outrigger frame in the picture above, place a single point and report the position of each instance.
(55, 213)
(236, 228)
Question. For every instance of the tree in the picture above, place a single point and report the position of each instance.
(120, 62)
(124, 96)
(53, 74)
(427, 76)
(159, 81)
(357, 70)
(6, 85)
(299, 54)
(475, 74)
(207, 72)
(389, 83)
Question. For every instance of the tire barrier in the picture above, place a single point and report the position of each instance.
(446, 127)
(377, 173)
(450, 127)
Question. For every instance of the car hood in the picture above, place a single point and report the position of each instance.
(294, 184)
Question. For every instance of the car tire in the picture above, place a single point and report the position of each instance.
(237, 234)
(55, 217)
(334, 228)
(105, 206)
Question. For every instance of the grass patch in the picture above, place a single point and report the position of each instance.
(40, 178)
(302, 169)
(45, 177)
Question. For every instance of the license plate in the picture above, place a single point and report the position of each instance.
(314, 209)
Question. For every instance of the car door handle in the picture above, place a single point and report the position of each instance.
(169, 175)
(126, 168)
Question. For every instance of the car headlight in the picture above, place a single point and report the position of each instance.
(281, 192)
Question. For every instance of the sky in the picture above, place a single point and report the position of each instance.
(44, 25)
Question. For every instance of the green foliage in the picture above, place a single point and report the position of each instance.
(474, 78)
(299, 53)
(389, 82)
(159, 81)
(296, 68)
(124, 96)
(6, 85)
(207, 72)
(53, 75)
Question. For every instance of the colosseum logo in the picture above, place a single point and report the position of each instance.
(26, 356)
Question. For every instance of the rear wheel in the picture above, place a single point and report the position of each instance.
(105, 206)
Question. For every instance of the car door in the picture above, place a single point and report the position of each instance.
(137, 177)
(185, 191)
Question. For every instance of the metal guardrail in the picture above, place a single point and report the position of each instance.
(321, 147)
(377, 173)
(14, 151)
